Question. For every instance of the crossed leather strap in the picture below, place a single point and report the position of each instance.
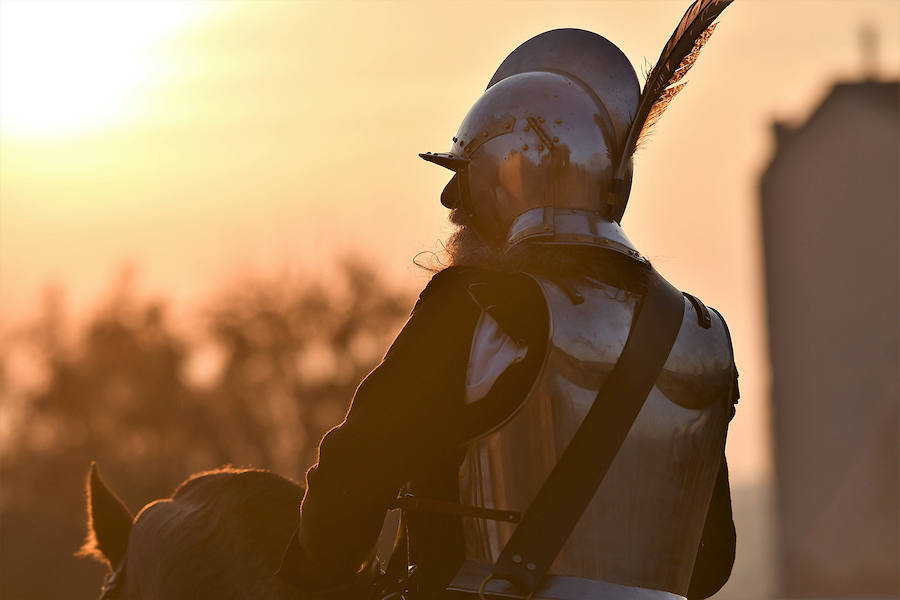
(573, 482)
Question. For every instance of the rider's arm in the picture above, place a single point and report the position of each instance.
(715, 556)
(401, 423)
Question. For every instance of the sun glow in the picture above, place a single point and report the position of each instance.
(71, 66)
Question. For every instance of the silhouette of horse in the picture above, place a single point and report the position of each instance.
(221, 535)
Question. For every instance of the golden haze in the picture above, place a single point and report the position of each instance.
(198, 140)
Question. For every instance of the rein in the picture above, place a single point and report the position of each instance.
(114, 581)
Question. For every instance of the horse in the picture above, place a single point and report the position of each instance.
(222, 534)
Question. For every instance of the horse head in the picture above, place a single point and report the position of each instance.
(222, 534)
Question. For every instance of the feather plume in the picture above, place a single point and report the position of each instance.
(656, 111)
(677, 57)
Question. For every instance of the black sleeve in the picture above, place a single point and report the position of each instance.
(715, 556)
(400, 423)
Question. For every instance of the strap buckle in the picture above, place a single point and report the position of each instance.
(492, 577)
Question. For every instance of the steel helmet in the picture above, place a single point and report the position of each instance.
(535, 156)
(545, 154)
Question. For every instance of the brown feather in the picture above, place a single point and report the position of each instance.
(691, 58)
(677, 57)
(656, 110)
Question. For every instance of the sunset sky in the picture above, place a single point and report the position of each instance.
(201, 140)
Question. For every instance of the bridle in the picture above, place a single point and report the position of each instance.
(114, 581)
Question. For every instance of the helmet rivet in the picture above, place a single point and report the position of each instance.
(555, 139)
(558, 121)
(524, 146)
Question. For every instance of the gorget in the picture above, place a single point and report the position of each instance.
(643, 526)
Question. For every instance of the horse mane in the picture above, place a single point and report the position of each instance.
(228, 480)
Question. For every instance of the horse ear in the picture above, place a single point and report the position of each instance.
(109, 522)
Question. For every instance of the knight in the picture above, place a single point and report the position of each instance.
(554, 413)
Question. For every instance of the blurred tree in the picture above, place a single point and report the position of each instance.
(301, 341)
(268, 367)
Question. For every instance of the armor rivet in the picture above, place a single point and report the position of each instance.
(540, 119)
(555, 139)
(516, 558)
(524, 146)
(508, 125)
(531, 566)
(558, 121)
(484, 133)
(527, 128)
(541, 147)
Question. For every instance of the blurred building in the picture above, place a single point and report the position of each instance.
(830, 222)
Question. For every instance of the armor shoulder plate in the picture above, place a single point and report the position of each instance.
(700, 368)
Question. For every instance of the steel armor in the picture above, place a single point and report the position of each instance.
(643, 526)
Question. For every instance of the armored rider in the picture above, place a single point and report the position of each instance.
(506, 351)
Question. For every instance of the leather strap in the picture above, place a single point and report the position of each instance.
(571, 485)
(406, 501)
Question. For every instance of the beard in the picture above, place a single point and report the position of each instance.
(467, 247)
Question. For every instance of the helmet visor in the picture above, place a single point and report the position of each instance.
(456, 192)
